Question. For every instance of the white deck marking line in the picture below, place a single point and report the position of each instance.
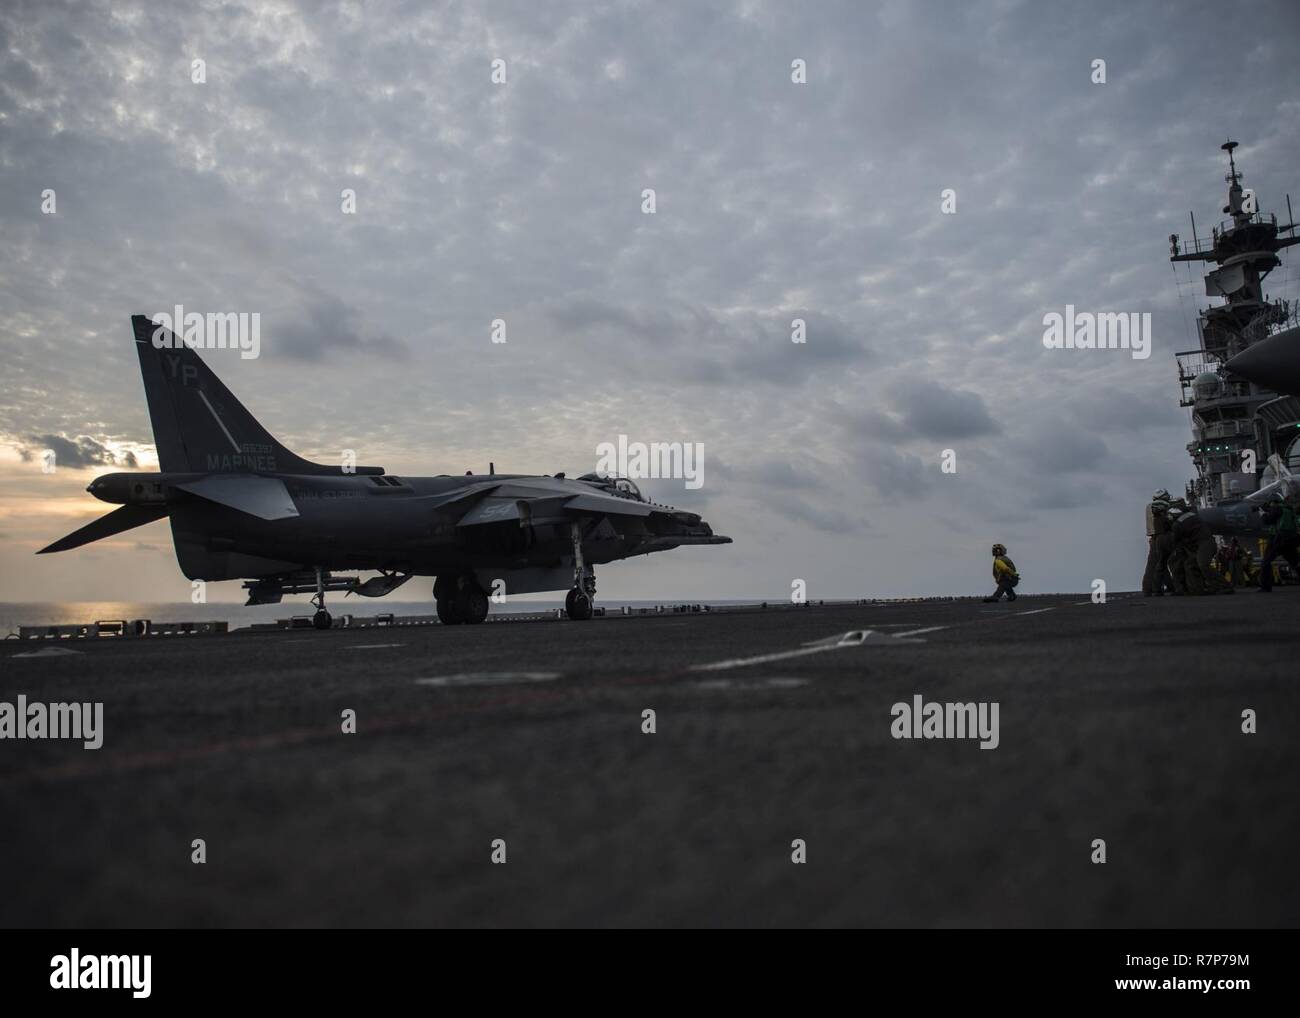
(220, 423)
(50, 652)
(488, 679)
(776, 682)
(375, 646)
(853, 639)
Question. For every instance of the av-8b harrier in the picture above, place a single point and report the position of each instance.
(242, 506)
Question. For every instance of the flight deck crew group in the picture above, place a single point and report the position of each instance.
(1283, 541)
(1184, 558)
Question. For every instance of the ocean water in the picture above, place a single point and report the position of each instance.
(55, 613)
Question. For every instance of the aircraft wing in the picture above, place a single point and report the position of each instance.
(264, 497)
(461, 494)
(492, 509)
(608, 505)
(542, 506)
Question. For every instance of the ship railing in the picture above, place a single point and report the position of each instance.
(1226, 429)
(1194, 362)
(1277, 316)
(1198, 244)
(1228, 225)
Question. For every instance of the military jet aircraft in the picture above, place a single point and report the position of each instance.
(1240, 517)
(242, 506)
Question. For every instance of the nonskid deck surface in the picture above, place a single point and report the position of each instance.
(1120, 722)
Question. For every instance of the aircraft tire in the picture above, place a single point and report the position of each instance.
(447, 612)
(444, 587)
(577, 605)
(472, 604)
(322, 619)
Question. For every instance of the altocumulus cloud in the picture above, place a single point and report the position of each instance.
(523, 202)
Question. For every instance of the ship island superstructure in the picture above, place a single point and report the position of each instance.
(1231, 416)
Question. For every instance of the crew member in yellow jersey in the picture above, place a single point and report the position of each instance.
(1004, 572)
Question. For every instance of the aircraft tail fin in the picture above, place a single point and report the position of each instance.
(198, 424)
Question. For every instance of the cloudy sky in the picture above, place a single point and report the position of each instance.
(522, 201)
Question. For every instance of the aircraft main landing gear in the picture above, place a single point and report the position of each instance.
(460, 600)
(447, 613)
(471, 603)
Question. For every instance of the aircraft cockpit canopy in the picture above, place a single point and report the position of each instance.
(615, 485)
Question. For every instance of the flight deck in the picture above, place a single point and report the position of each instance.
(1165, 728)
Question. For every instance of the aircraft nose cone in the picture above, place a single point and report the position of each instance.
(1273, 362)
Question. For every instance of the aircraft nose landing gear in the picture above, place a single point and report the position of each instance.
(578, 603)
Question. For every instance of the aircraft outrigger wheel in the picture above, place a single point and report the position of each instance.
(578, 603)
(322, 619)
